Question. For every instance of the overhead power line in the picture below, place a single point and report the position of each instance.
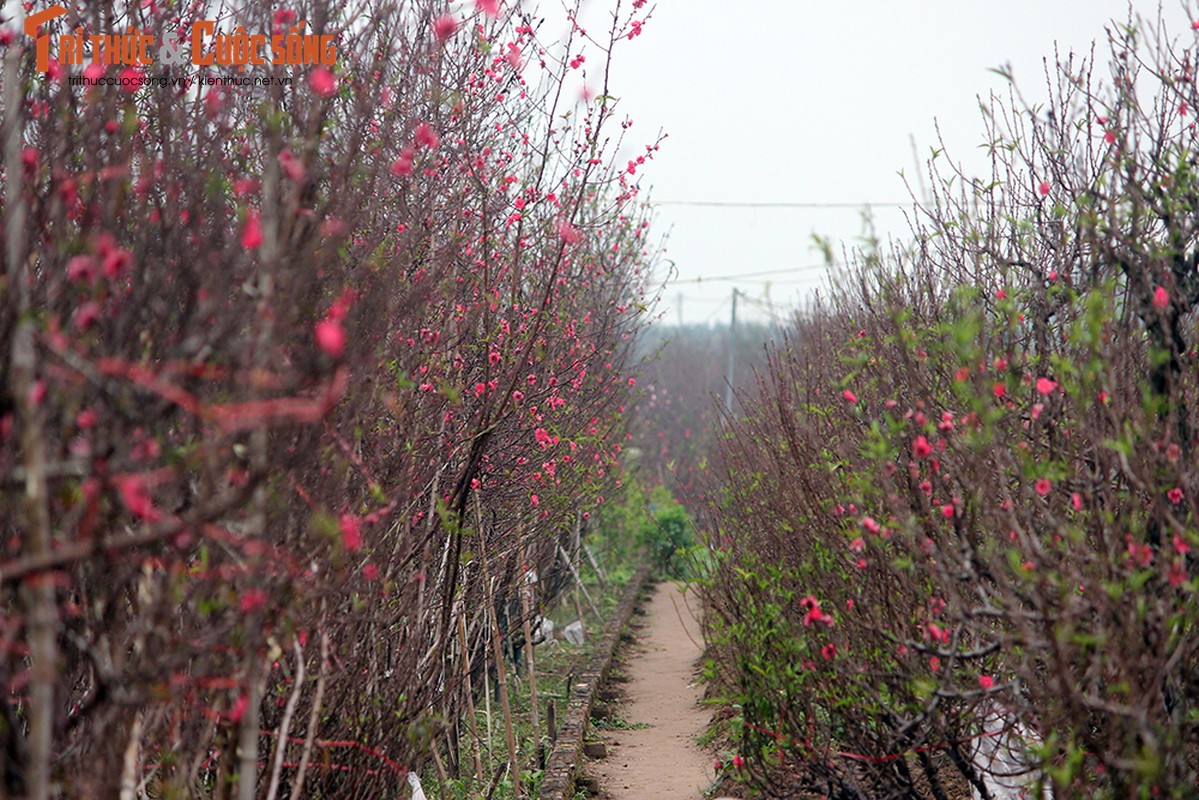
(773, 204)
(747, 275)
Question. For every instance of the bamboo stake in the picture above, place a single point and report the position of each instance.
(579, 584)
(487, 701)
(470, 699)
(285, 725)
(315, 713)
(501, 676)
(440, 767)
(502, 685)
(132, 760)
(599, 573)
(524, 615)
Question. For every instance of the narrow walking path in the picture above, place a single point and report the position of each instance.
(662, 759)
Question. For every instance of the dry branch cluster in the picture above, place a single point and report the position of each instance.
(298, 380)
(958, 509)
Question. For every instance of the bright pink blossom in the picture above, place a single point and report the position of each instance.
(135, 496)
(849, 396)
(444, 27)
(489, 7)
(426, 137)
(239, 708)
(1175, 495)
(402, 166)
(513, 56)
(331, 336)
(244, 186)
(1161, 298)
(814, 613)
(1043, 188)
(81, 269)
(1043, 486)
(131, 79)
(293, 168)
(986, 681)
(568, 233)
(251, 234)
(87, 315)
(252, 600)
(921, 448)
(1046, 385)
(351, 532)
(322, 81)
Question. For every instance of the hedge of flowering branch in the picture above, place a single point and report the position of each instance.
(297, 381)
(958, 509)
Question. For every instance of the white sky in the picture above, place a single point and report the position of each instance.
(818, 101)
(811, 101)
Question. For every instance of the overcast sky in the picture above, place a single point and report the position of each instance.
(816, 101)
(812, 102)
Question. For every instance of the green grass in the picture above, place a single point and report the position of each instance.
(555, 663)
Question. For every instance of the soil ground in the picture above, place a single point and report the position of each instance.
(656, 756)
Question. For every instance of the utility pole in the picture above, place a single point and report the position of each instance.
(728, 390)
(680, 308)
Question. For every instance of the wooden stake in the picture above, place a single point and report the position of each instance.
(524, 615)
(470, 699)
(579, 583)
(501, 674)
(487, 700)
(315, 713)
(502, 688)
(599, 573)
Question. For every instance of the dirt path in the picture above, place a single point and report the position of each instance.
(661, 760)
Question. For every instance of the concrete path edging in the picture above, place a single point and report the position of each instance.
(558, 781)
